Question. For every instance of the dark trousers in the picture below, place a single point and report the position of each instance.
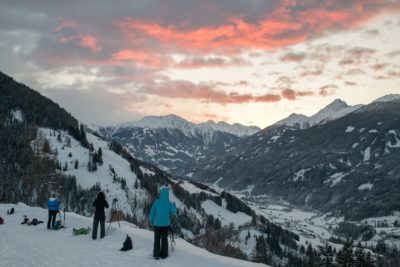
(160, 234)
(102, 228)
(52, 218)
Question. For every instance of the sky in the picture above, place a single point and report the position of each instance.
(252, 62)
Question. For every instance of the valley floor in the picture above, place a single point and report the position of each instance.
(317, 228)
(22, 245)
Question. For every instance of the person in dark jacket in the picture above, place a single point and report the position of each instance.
(53, 205)
(100, 203)
(160, 213)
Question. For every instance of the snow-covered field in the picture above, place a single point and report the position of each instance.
(22, 245)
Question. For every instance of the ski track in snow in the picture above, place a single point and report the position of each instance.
(22, 245)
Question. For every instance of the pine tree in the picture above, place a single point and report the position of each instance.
(89, 166)
(345, 255)
(46, 147)
(65, 168)
(359, 258)
(326, 257)
(311, 256)
(82, 132)
(261, 252)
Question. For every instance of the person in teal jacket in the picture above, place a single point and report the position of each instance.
(160, 213)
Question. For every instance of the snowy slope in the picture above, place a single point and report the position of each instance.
(22, 245)
(68, 154)
(335, 110)
(387, 98)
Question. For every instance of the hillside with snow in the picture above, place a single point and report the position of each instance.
(22, 245)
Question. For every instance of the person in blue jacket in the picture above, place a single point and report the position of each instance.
(160, 213)
(53, 205)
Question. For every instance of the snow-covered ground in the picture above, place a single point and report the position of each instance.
(22, 245)
(226, 217)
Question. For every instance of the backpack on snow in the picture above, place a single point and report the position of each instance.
(35, 222)
(11, 211)
(58, 225)
(1, 220)
(81, 231)
(127, 244)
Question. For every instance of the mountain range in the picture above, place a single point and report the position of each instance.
(172, 142)
(348, 166)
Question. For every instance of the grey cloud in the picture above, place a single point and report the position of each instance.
(98, 106)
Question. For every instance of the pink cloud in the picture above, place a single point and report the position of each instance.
(90, 42)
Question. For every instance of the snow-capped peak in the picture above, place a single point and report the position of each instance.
(336, 105)
(168, 121)
(337, 109)
(294, 119)
(175, 122)
(235, 129)
(388, 98)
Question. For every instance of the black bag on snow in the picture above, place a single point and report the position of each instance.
(127, 244)
(11, 211)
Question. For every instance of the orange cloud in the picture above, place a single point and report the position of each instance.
(289, 23)
(205, 93)
(291, 94)
(90, 42)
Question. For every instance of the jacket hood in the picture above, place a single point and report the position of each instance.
(164, 193)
